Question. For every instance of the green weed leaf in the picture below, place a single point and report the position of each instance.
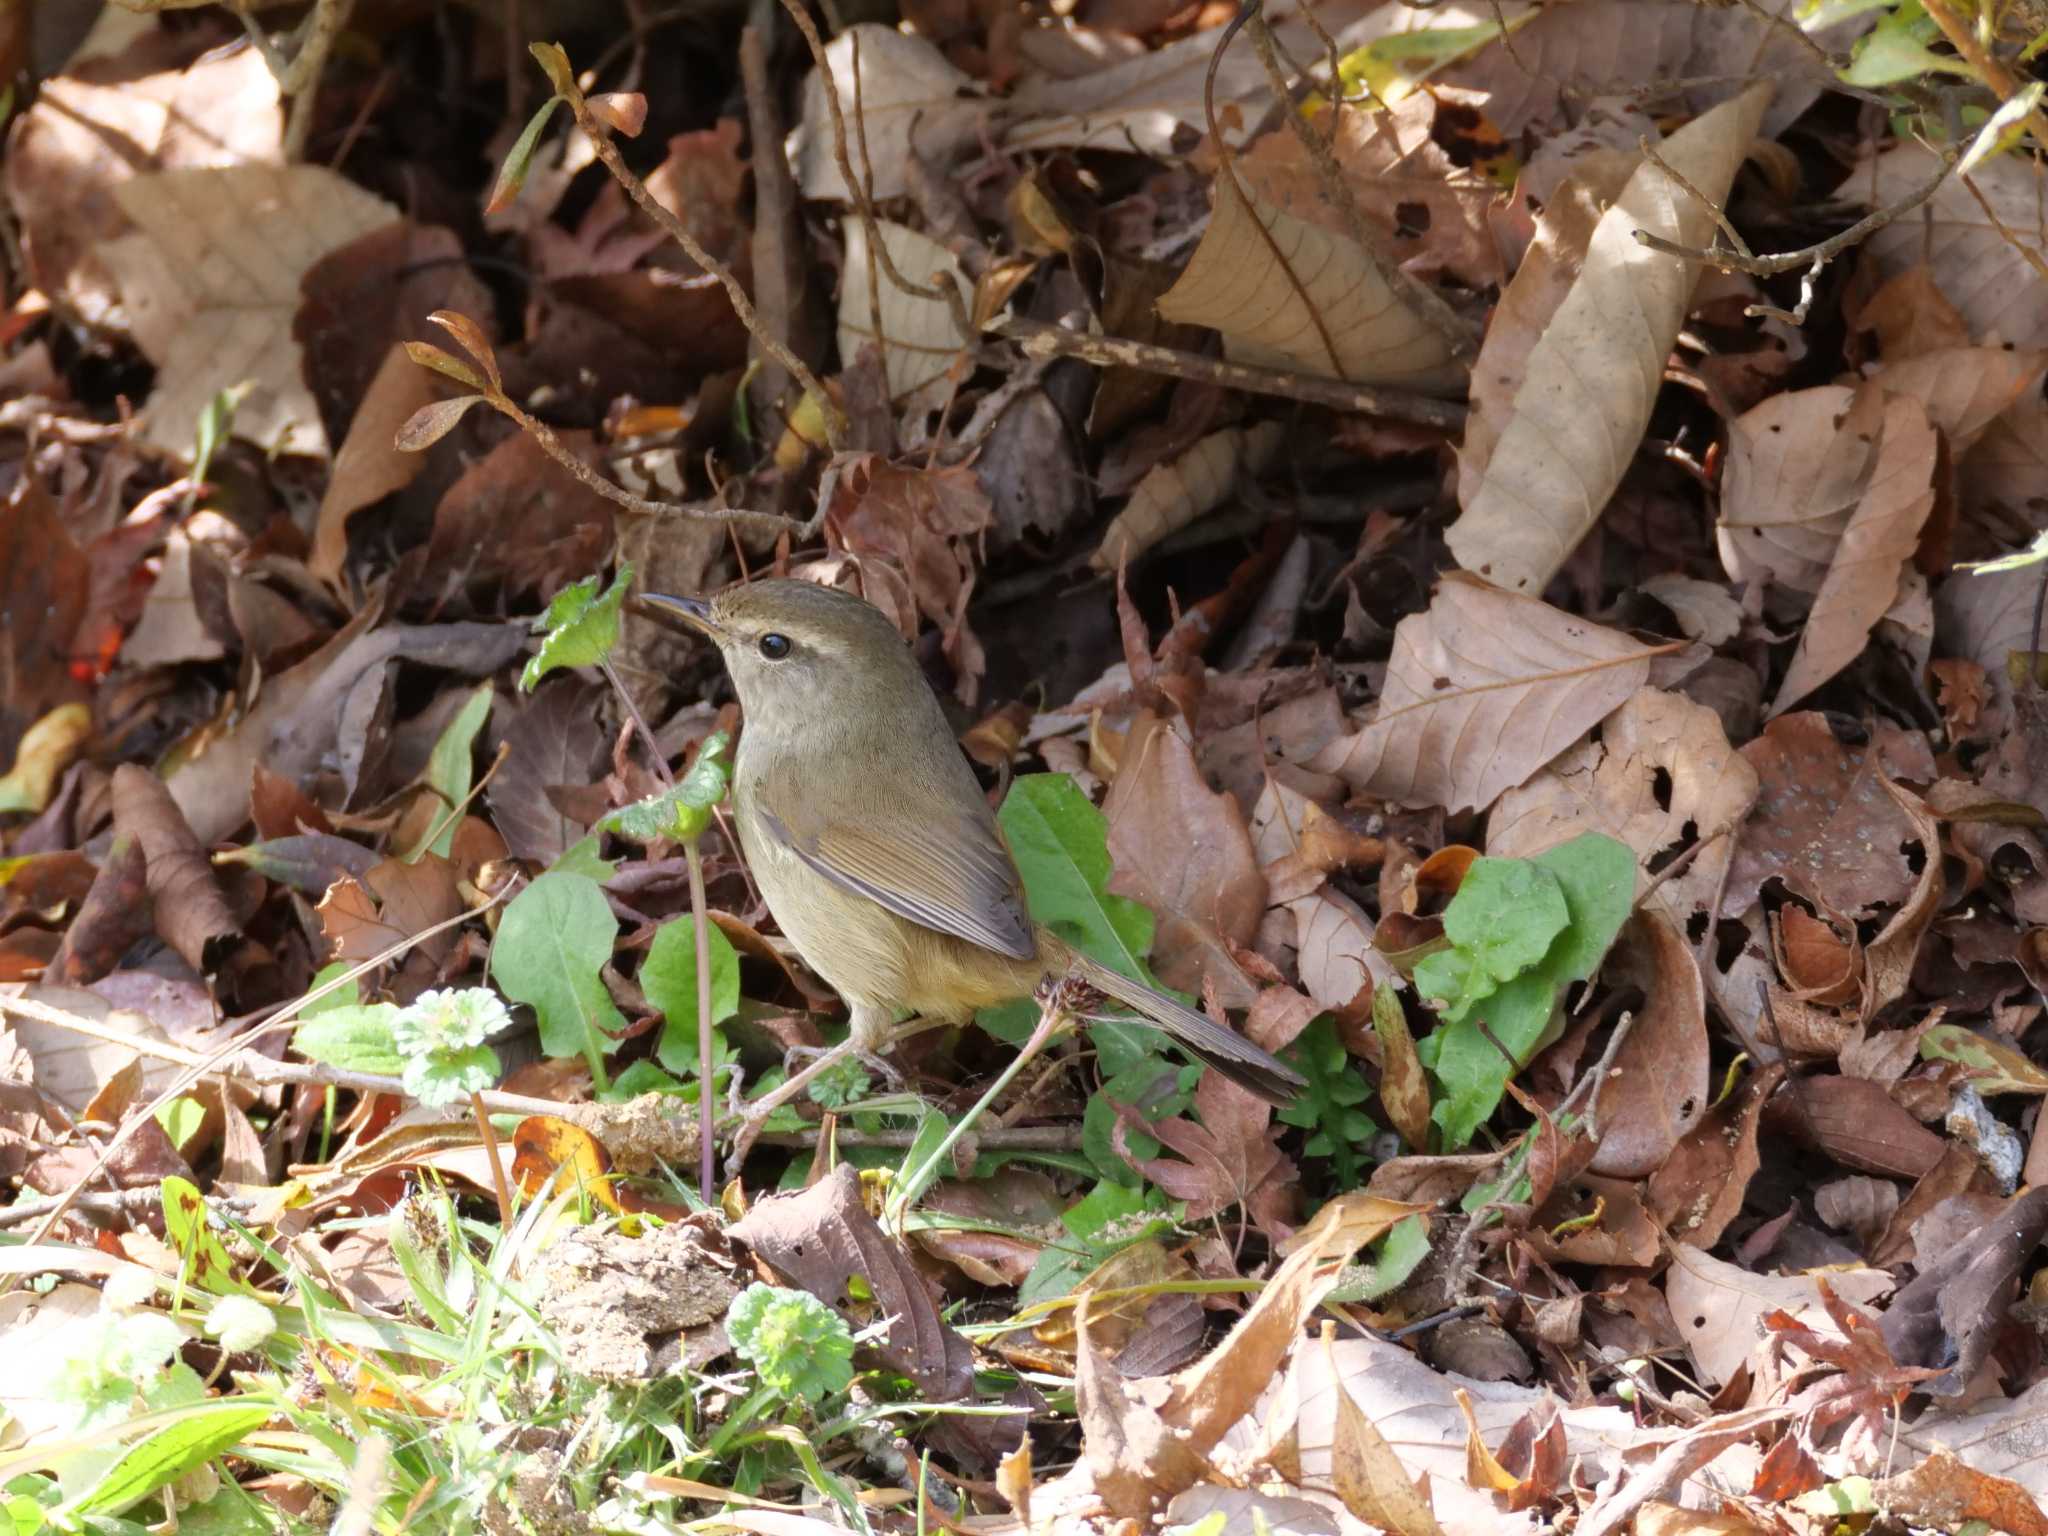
(1500, 924)
(797, 1345)
(355, 1037)
(581, 626)
(1328, 1107)
(669, 978)
(555, 938)
(450, 769)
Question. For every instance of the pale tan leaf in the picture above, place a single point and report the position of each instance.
(1288, 294)
(1370, 1478)
(1988, 616)
(1798, 466)
(910, 98)
(1990, 281)
(1863, 578)
(916, 334)
(1966, 388)
(1706, 610)
(85, 136)
(1720, 1308)
(1177, 492)
(1484, 688)
(1584, 398)
(1662, 765)
(2002, 482)
(210, 282)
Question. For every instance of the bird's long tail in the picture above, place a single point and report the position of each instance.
(1226, 1051)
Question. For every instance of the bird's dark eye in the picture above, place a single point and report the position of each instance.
(774, 646)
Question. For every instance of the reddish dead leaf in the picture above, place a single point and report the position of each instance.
(1230, 1155)
(44, 579)
(1700, 1187)
(1947, 1493)
(1183, 850)
(1658, 1089)
(1858, 1124)
(189, 910)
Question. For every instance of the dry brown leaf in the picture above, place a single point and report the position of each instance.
(1182, 849)
(1864, 569)
(210, 283)
(1659, 1088)
(1910, 315)
(1824, 822)
(916, 335)
(1965, 389)
(1484, 688)
(1987, 617)
(1369, 1477)
(911, 101)
(188, 908)
(369, 464)
(1948, 1493)
(1706, 610)
(1418, 200)
(1582, 401)
(1798, 466)
(1288, 294)
(1701, 1186)
(1662, 765)
(1990, 281)
(1175, 493)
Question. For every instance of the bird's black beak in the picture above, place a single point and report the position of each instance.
(662, 608)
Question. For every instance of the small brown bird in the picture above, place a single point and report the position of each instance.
(872, 840)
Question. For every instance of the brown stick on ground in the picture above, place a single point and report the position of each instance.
(781, 296)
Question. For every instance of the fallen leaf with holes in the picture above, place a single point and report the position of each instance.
(1720, 1307)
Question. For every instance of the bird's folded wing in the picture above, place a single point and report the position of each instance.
(956, 878)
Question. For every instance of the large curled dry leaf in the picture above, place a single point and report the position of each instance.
(1484, 688)
(916, 334)
(1585, 396)
(1863, 576)
(910, 101)
(1175, 493)
(210, 281)
(1289, 294)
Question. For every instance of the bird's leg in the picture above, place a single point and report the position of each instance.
(873, 1031)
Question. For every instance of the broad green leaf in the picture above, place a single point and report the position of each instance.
(1597, 875)
(181, 1120)
(205, 1259)
(1995, 1066)
(682, 811)
(355, 1037)
(345, 996)
(669, 978)
(1061, 844)
(553, 942)
(203, 1432)
(1154, 1086)
(642, 1076)
(1391, 1260)
(580, 626)
(582, 858)
(450, 768)
(1500, 924)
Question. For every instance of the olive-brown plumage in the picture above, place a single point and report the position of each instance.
(872, 840)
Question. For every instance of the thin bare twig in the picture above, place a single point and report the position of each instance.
(1649, 152)
(1825, 251)
(1041, 340)
(836, 425)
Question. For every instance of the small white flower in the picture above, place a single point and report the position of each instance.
(240, 1322)
(129, 1288)
(450, 1019)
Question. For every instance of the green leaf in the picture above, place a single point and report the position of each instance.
(582, 858)
(1329, 1105)
(512, 174)
(669, 978)
(204, 1257)
(449, 768)
(205, 1431)
(1061, 844)
(1500, 924)
(553, 942)
(1995, 1066)
(643, 1076)
(439, 1078)
(1156, 1088)
(344, 996)
(581, 626)
(681, 812)
(1393, 1259)
(355, 1037)
(798, 1346)
(1597, 875)
(181, 1120)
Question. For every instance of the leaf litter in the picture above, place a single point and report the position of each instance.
(1420, 575)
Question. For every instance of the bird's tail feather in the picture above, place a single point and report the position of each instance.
(1228, 1052)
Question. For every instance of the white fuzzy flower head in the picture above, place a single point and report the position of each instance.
(240, 1322)
(127, 1289)
(450, 1019)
